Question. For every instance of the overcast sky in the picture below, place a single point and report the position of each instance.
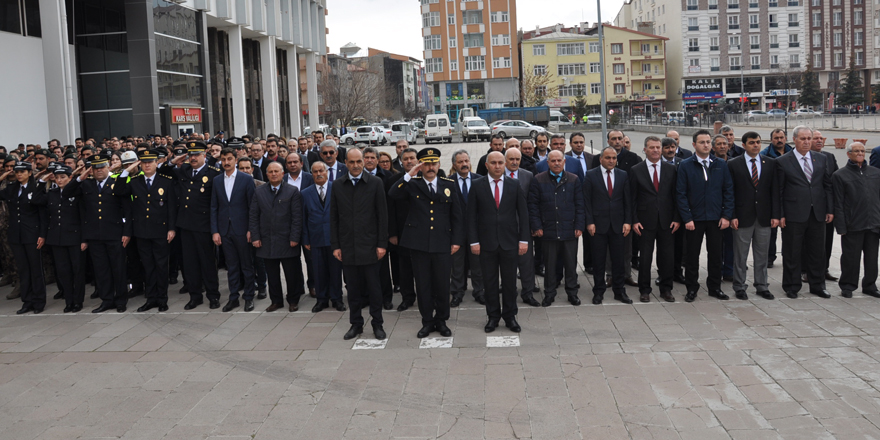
(396, 25)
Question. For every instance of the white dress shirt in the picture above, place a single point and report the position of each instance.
(757, 163)
(705, 164)
(581, 160)
(800, 158)
(21, 189)
(651, 169)
(605, 178)
(296, 182)
(228, 183)
(508, 174)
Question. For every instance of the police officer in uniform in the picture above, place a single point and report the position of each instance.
(27, 234)
(64, 236)
(106, 226)
(154, 214)
(435, 231)
(194, 219)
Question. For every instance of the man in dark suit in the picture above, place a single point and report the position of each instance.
(556, 214)
(526, 261)
(297, 177)
(358, 238)
(756, 210)
(557, 143)
(577, 142)
(498, 231)
(680, 152)
(734, 150)
(608, 207)
(27, 235)
(527, 148)
(496, 143)
(397, 213)
(271, 155)
(436, 232)
(655, 218)
(230, 205)
(625, 161)
(316, 239)
(705, 202)
(106, 228)
(875, 157)
(807, 205)
(818, 144)
(329, 154)
(154, 217)
(464, 260)
(196, 184)
(371, 166)
(669, 147)
(275, 226)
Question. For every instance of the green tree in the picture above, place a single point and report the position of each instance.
(580, 107)
(852, 92)
(875, 91)
(810, 95)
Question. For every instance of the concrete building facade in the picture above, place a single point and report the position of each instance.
(102, 68)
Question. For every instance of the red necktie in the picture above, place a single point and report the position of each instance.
(610, 187)
(511, 175)
(497, 194)
(656, 181)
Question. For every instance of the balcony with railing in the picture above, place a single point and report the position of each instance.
(659, 73)
(637, 52)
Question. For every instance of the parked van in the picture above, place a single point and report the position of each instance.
(405, 131)
(437, 128)
(475, 129)
(557, 118)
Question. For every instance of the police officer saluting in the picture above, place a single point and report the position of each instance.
(64, 236)
(27, 234)
(153, 216)
(435, 231)
(196, 180)
(106, 227)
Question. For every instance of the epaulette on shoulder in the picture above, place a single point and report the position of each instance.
(163, 175)
(447, 179)
(417, 177)
(213, 168)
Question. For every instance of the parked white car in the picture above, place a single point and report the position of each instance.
(515, 128)
(367, 133)
(475, 129)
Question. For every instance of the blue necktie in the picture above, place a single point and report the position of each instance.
(355, 181)
(464, 189)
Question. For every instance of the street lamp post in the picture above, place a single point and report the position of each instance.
(602, 73)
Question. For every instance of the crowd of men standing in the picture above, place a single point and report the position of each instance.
(132, 215)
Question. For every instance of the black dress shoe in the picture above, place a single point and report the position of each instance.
(248, 305)
(491, 325)
(443, 329)
(629, 281)
(574, 300)
(804, 278)
(339, 306)
(191, 305)
(656, 281)
(548, 300)
(623, 297)
(68, 308)
(719, 294)
(512, 325)
(667, 296)
(232, 304)
(319, 306)
(791, 295)
(770, 265)
(821, 293)
(120, 309)
(766, 294)
(213, 303)
(539, 271)
(846, 293)
(530, 300)
(103, 308)
(149, 305)
(645, 297)
(94, 295)
(403, 306)
(76, 308)
(690, 296)
(23, 310)
(480, 299)
(679, 278)
(455, 301)
(261, 293)
(379, 332)
(597, 299)
(353, 332)
(425, 331)
(873, 293)
(830, 277)
(388, 306)
(58, 295)
(589, 270)
(172, 281)
(183, 290)
(163, 307)
(396, 289)
(741, 294)
(135, 292)
(38, 310)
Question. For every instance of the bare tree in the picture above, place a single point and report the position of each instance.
(352, 89)
(785, 78)
(535, 88)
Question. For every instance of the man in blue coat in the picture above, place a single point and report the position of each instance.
(316, 238)
(230, 205)
(572, 165)
(705, 202)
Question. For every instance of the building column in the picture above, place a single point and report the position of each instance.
(294, 88)
(59, 71)
(142, 66)
(312, 87)
(204, 60)
(269, 82)
(236, 79)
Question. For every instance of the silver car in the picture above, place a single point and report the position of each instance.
(514, 128)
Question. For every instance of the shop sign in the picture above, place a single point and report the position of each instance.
(186, 115)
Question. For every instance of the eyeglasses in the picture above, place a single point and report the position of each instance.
(328, 153)
(385, 161)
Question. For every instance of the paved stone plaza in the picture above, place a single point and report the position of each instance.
(795, 369)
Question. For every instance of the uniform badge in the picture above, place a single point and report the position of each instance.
(112, 185)
(30, 196)
(72, 199)
(161, 203)
(201, 189)
(161, 191)
(447, 192)
(204, 179)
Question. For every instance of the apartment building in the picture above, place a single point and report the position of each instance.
(470, 54)
(635, 66)
(841, 31)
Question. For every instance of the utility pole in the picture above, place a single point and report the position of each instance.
(602, 74)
